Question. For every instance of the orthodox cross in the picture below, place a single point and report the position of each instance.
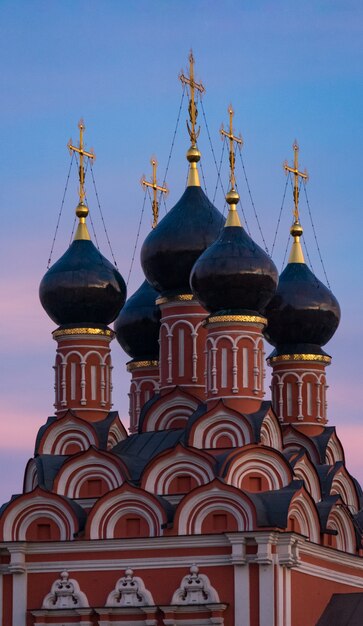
(295, 170)
(82, 153)
(155, 187)
(193, 111)
(232, 138)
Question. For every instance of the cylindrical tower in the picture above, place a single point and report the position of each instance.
(302, 317)
(83, 293)
(234, 280)
(167, 257)
(137, 331)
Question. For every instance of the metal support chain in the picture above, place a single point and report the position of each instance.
(60, 213)
(315, 237)
(279, 218)
(103, 221)
(172, 146)
(219, 171)
(137, 237)
(286, 248)
(243, 212)
(307, 253)
(202, 171)
(252, 202)
(212, 149)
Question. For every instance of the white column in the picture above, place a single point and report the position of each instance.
(103, 384)
(64, 385)
(234, 370)
(318, 401)
(214, 370)
(194, 356)
(299, 400)
(83, 382)
(170, 357)
(266, 578)
(241, 581)
(17, 568)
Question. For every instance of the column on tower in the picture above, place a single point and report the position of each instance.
(302, 317)
(234, 280)
(167, 257)
(83, 293)
(137, 331)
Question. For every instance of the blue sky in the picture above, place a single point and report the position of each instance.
(291, 70)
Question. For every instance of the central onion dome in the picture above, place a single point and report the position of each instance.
(234, 273)
(304, 314)
(137, 326)
(82, 287)
(171, 249)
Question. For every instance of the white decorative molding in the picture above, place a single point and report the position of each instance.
(65, 593)
(130, 591)
(195, 588)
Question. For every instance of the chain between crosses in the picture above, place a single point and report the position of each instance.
(82, 153)
(155, 187)
(295, 171)
(193, 111)
(232, 138)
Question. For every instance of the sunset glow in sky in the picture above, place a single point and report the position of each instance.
(291, 70)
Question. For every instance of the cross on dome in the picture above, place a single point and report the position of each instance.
(81, 210)
(155, 187)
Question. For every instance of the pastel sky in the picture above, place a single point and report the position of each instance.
(290, 69)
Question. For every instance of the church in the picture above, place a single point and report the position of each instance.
(228, 502)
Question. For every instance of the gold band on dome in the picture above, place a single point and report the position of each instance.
(252, 319)
(105, 332)
(135, 365)
(318, 358)
(182, 297)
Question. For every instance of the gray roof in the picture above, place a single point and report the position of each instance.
(137, 450)
(344, 609)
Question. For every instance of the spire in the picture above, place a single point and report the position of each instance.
(193, 154)
(155, 187)
(81, 209)
(296, 254)
(232, 196)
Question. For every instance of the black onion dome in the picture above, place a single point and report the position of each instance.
(303, 315)
(234, 273)
(171, 249)
(82, 287)
(137, 326)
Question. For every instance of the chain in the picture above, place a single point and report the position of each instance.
(251, 199)
(137, 238)
(283, 261)
(279, 218)
(172, 147)
(60, 213)
(315, 237)
(103, 221)
(219, 181)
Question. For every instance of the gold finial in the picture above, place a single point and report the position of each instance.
(155, 187)
(81, 209)
(232, 196)
(193, 154)
(296, 230)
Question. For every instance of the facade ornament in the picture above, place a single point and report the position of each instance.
(130, 591)
(65, 594)
(195, 588)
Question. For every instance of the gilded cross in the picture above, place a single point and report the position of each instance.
(82, 153)
(193, 111)
(295, 171)
(232, 138)
(155, 187)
